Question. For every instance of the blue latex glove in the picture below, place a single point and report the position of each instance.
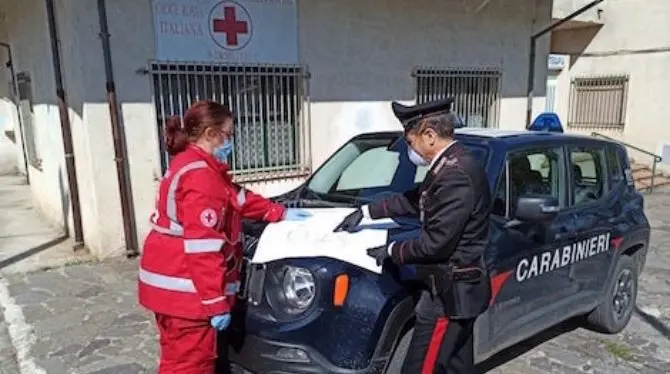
(293, 214)
(221, 322)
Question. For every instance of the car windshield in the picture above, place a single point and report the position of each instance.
(368, 169)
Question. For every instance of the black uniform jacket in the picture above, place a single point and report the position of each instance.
(453, 203)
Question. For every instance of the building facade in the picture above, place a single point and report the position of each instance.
(613, 75)
(301, 77)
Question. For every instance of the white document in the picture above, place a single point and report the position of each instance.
(314, 237)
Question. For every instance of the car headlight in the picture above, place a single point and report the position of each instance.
(299, 289)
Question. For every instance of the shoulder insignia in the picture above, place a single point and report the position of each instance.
(451, 161)
(208, 217)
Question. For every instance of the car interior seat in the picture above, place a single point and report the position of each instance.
(526, 180)
(577, 174)
(583, 192)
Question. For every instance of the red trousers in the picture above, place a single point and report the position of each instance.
(187, 346)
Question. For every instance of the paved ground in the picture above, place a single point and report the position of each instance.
(26, 244)
(8, 364)
(86, 319)
(7, 153)
(83, 318)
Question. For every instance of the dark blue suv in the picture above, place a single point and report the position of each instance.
(569, 238)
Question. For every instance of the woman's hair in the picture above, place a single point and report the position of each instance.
(200, 116)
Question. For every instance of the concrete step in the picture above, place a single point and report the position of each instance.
(641, 174)
(636, 167)
(644, 174)
(646, 183)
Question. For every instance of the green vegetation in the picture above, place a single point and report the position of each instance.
(619, 350)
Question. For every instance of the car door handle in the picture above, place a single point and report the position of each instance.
(550, 209)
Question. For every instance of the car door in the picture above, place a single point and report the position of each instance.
(596, 205)
(529, 251)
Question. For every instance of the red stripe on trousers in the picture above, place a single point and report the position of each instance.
(434, 346)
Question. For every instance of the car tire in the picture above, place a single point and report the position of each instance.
(616, 309)
(398, 358)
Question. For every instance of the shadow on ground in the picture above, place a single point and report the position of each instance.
(653, 322)
(31, 252)
(523, 347)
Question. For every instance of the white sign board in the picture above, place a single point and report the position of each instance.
(556, 62)
(243, 31)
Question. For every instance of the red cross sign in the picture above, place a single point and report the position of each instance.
(208, 217)
(230, 25)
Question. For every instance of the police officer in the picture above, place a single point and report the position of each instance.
(453, 203)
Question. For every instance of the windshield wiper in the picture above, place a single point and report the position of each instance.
(336, 197)
(306, 198)
(310, 203)
(310, 198)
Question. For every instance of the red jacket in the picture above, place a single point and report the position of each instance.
(191, 260)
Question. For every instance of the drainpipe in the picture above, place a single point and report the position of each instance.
(15, 88)
(65, 128)
(533, 47)
(129, 229)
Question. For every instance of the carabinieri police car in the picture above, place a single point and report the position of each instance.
(569, 238)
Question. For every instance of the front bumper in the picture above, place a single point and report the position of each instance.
(262, 356)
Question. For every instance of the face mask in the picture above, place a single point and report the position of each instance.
(223, 151)
(415, 157)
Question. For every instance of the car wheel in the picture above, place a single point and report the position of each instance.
(619, 302)
(395, 365)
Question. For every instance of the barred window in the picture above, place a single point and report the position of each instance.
(268, 105)
(598, 101)
(476, 92)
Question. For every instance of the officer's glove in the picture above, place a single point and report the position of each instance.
(380, 253)
(293, 214)
(350, 222)
(221, 322)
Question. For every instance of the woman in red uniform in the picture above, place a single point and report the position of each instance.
(189, 272)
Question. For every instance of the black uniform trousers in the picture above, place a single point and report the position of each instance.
(439, 345)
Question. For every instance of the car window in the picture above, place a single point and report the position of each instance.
(420, 174)
(532, 172)
(480, 153)
(614, 167)
(373, 168)
(539, 162)
(588, 173)
(370, 167)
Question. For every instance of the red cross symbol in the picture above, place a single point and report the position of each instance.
(230, 25)
(208, 217)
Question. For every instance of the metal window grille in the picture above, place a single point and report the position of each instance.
(476, 92)
(598, 101)
(269, 104)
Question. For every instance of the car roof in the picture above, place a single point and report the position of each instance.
(509, 134)
(510, 137)
(489, 133)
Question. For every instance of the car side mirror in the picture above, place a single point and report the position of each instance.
(536, 208)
